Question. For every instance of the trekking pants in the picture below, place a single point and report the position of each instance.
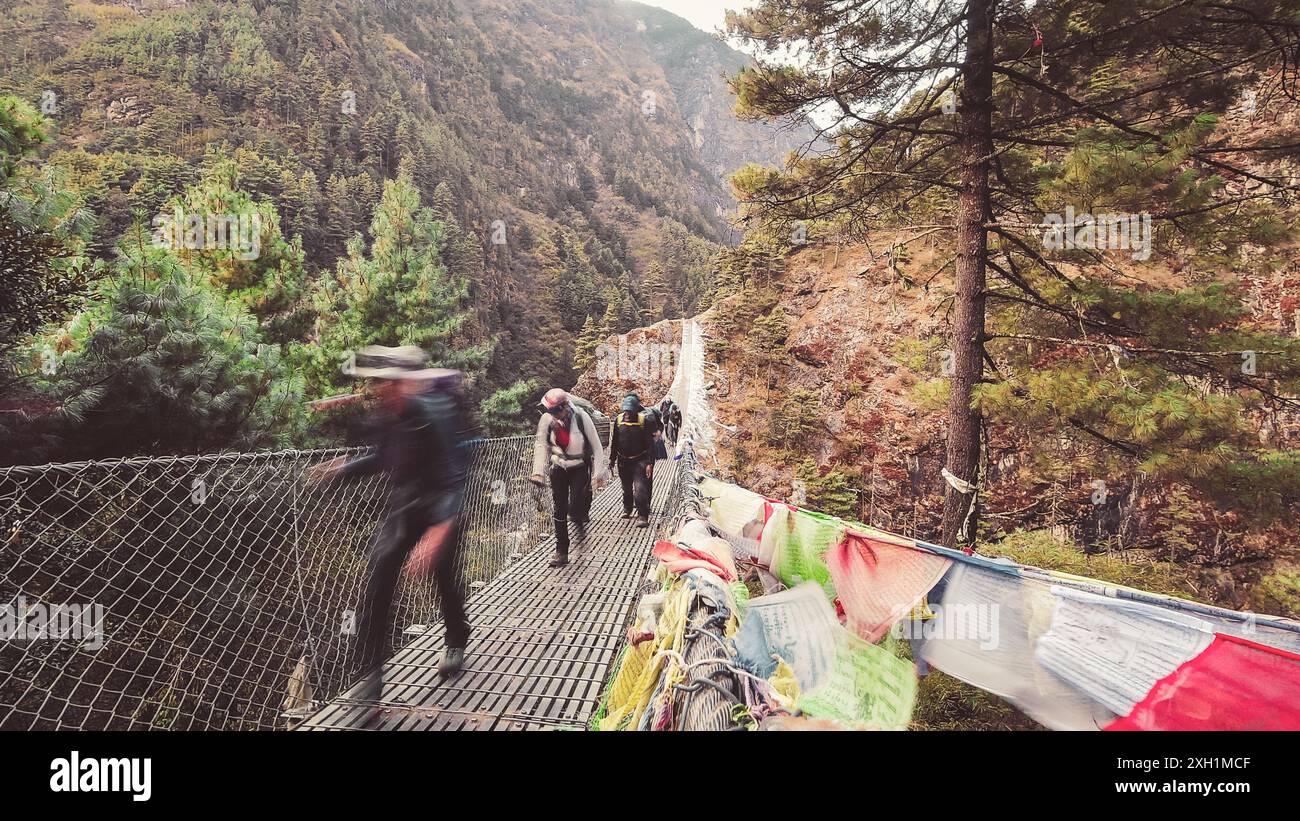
(389, 549)
(636, 487)
(571, 497)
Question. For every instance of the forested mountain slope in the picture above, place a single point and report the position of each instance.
(568, 186)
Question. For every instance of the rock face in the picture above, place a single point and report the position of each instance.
(852, 349)
(129, 110)
(697, 65)
(643, 360)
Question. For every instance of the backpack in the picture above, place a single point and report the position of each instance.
(588, 451)
(633, 435)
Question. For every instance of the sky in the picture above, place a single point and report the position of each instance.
(708, 15)
(703, 14)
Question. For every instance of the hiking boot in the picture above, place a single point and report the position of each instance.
(560, 558)
(627, 514)
(642, 521)
(580, 531)
(451, 661)
(370, 695)
(372, 686)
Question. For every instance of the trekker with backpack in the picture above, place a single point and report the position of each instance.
(567, 451)
(658, 449)
(632, 443)
(674, 422)
(417, 430)
(670, 416)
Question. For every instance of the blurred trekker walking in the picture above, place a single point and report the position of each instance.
(632, 443)
(568, 452)
(416, 432)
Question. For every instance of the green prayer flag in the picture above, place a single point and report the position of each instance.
(804, 538)
(866, 684)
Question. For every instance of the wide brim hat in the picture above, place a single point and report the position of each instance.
(402, 362)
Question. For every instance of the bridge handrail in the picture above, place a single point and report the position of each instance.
(220, 588)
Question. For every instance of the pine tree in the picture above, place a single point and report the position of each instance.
(972, 93)
(584, 351)
(399, 293)
(610, 321)
(829, 493)
(502, 413)
(43, 229)
(21, 132)
(365, 196)
(316, 151)
(251, 258)
(374, 143)
(162, 362)
(339, 222)
(303, 208)
(444, 204)
(658, 294)
(576, 280)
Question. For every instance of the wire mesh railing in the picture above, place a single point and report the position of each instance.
(211, 592)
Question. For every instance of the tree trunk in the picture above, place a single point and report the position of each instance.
(972, 247)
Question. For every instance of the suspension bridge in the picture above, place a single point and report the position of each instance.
(219, 592)
(543, 639)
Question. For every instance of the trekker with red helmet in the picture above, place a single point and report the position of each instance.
(567, 452)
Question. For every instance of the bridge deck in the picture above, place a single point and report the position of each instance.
(542, 643)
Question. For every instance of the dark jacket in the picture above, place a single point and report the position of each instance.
(421, 450)
(634, 442)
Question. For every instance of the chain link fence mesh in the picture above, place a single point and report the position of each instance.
(212, 592)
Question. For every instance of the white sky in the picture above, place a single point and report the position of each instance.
(703, 14)
(708, 15)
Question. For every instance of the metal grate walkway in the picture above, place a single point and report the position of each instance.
(543, 639)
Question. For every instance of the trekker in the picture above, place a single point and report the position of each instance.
(658, 449)
(632, 443)
(416, 432)
(670, 416)
(674, 421)
(568, 452)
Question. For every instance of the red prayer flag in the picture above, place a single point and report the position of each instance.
(878, 581)
(1234, 684)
